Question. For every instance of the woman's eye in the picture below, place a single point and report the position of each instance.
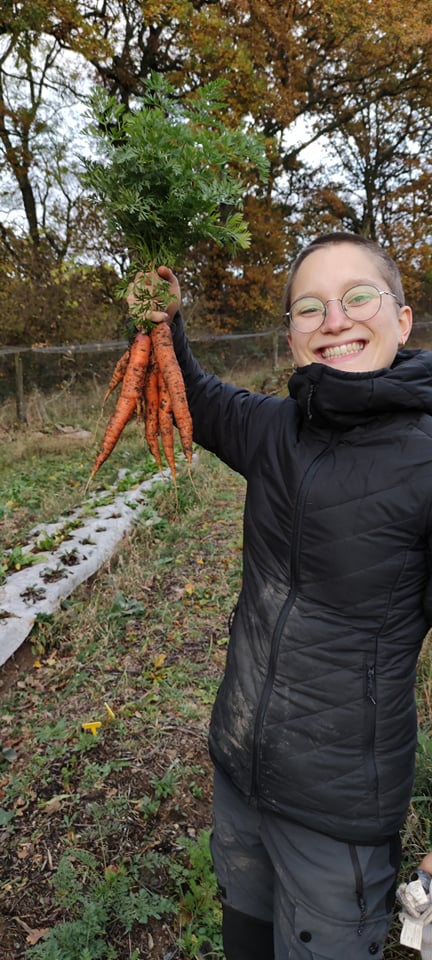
(360, 296)
(356, 301)
(309, 309)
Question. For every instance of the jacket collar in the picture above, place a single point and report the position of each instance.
(334, 398)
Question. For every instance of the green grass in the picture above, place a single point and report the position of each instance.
(148, 637)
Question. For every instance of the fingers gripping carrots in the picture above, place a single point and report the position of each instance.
(152, 383)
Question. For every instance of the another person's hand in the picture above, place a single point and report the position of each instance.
(144, 287)
(426, 863)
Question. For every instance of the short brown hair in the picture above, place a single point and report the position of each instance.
(388, 267)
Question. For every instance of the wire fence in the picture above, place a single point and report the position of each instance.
(47, 368)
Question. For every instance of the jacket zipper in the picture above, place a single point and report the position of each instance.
(359, 887)
(303, 491)
(370, 727)
(371, 691)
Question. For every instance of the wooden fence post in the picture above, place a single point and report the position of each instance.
(276, 351)
(19, 378)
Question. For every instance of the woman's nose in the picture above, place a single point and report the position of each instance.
(335, 317)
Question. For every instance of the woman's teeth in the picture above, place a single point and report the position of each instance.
(328, 353)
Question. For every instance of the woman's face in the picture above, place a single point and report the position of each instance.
(340, 342)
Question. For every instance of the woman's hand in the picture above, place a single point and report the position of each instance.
(174, 291)
(146, 301)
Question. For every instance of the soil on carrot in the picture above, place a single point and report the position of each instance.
(103, 751)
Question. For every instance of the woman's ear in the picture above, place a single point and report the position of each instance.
(405, 324)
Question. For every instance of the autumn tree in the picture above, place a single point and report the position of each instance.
(377, 181)
(353, 78)
(373, 89)
(38, 85)
(244, 293)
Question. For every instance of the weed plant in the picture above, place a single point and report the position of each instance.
(96, 898)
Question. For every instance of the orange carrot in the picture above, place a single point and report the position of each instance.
(151, 399)
(172, 375)
(131, 391)
(118, 374)
(166, 424)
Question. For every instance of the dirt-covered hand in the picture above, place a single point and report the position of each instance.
(153, 297)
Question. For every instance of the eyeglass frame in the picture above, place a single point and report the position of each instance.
(381, 293)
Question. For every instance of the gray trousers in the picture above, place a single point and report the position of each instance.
(324, 899)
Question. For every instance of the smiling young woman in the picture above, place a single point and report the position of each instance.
(345, 335)
(313, 732)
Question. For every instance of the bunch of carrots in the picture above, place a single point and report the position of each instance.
(152, 388)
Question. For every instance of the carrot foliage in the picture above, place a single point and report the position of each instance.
(169, 173)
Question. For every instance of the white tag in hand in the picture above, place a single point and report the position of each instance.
(411, 934)
(417, 891)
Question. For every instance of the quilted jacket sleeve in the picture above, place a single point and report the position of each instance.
(229, 421)
(427, 596)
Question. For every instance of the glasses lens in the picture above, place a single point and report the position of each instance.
(361, 302)
(307, 314)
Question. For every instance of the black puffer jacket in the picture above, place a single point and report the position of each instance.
(315, 718)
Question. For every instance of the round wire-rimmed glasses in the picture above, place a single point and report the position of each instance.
(360, 303)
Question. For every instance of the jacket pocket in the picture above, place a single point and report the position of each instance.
(328, 939)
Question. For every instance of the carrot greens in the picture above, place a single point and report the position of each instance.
(167, 174)
(170, 173)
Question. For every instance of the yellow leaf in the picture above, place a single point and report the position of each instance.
(159, 661)
(189, 588)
